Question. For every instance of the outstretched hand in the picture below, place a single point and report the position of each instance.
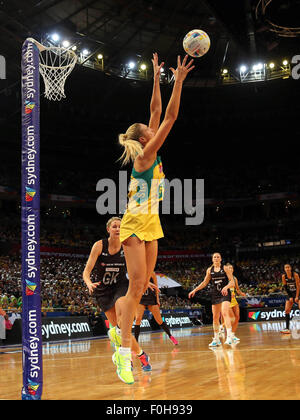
(156, 67)
(182, 68)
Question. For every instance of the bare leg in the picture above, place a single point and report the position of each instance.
(225, 308)
(138, 319)
(135, 255)
(151, 258)
(111, 316)
(236, 312)
(119, 309)
(216, 310)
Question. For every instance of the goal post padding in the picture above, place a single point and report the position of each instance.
(30, 220)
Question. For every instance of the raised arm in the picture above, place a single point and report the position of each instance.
(203, 284)
(94, 254)
(155, 104)
(172, 110)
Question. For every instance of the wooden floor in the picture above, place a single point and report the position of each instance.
(264, 365)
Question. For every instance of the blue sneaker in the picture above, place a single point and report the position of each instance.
(215, 343)
(144, 358)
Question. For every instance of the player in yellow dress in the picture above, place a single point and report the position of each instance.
(234, 305)
(140, 226)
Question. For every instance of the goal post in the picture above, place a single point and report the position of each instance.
(54, 64)
(30, 222)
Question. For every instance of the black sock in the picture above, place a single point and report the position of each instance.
(137, 329)
(287, 321)
(165, 328)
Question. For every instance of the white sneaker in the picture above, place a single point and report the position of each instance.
(215, 343)
(228, 341)
(235, 339)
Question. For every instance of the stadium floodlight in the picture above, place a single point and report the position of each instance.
(66, 44)
(271, 65)
(225, 71)
(143, 67)
(74, 48)
(257, 67)
(55, 37)
(85, 52)
(285, 62)
(131, 65)
(243, 69)
(99, 56)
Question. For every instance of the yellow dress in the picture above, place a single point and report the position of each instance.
(141, 218)
(233, 302)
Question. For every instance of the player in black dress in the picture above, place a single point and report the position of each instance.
(111, 285)
(222, 280)
(291, 284)
(150, 300)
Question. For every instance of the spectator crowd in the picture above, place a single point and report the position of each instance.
(62, 287)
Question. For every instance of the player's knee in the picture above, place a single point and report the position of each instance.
(136, 291)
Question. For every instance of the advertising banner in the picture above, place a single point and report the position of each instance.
(103, 324)
(145, 325)
(268, 314)
(177, 320)
(56, 329)
(262, 301)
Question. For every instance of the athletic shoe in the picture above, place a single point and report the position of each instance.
(114, 337)
(285, 331)
(174, 341)
(235, 339)
(115, 362)
(124, 367)
(215, 343)
(228, 341)
(144, 358)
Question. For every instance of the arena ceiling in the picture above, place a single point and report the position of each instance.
(133, 29)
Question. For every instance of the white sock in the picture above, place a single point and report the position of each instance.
(216, 333)
(124, 350)
(229, 332)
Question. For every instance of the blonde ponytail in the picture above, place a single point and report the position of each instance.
(131, 144)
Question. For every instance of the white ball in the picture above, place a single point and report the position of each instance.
(196, 43)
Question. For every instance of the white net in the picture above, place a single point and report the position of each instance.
(56, 63)
(55, 66)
